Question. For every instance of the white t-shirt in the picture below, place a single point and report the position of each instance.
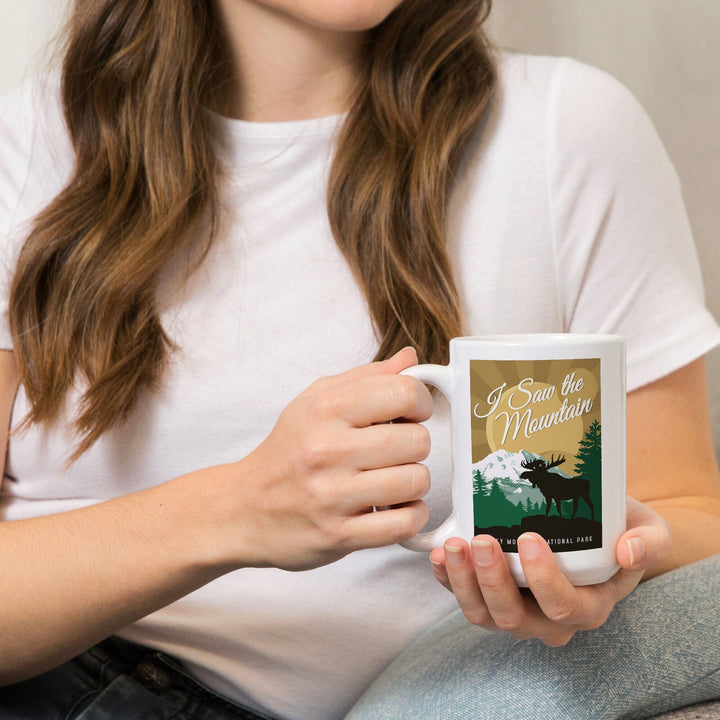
(567, 216)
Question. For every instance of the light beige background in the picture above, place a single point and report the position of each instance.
(665, 51)
(25, 29)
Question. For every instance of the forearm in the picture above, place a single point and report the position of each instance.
(695, 525)
(298, 501)
(71, 579)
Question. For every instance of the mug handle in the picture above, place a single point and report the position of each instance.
(439, 376)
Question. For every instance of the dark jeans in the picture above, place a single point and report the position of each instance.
(117, 680)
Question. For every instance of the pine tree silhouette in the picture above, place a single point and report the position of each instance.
(589, 464)
(481, 490)
(480, 485)
(502, 510)
(491, 507)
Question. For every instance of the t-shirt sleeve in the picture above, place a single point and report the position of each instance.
(35, 161)
(625, 254)
(16, 139)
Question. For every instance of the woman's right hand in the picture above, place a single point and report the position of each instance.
(305, 496)
(302, 499)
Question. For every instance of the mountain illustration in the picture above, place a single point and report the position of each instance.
(503, 468)
(506, 505)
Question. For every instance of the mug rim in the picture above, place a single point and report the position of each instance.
(517, 339)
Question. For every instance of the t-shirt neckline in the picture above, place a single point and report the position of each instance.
(283, 130)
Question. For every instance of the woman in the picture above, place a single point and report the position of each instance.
(176, 276)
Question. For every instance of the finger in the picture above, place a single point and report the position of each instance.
(372, 400)
(643, 547)
(503, 600)
(585, 607)
(562, 603)
(638, 550)
(620, 585)
(639, 513)
(389, 486)
(403, 359)
(385, 527)
(464, 584)
(437, 562)
(383, 398)
(381, 446)
(647, 541)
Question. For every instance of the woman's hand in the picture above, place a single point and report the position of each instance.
(306, 495)
(551, 609)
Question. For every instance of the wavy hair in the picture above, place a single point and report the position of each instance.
(136, 77)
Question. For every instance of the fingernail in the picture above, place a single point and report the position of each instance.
(482, 552)
(529, 547)
(454, 555)
(636, 549)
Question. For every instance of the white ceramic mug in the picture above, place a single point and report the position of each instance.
(538, 444)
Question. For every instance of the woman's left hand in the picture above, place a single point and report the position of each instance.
(551, 609)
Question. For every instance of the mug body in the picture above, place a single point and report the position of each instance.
(538, 445)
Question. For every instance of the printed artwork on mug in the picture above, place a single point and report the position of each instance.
(536, 451)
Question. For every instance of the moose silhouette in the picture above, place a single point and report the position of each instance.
(555, 487)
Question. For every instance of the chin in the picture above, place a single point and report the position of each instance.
(340, 15)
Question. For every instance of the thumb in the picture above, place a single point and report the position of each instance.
(647, 540)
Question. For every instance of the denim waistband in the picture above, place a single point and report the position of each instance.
(119, 679)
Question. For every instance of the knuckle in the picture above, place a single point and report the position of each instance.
(385, 439)
(404, 526)
(561, 614)
(664, 541)
(423, 514)
(338, 534)
(476, 616)
(324, 493)
(330, 537)
(327, 405)
(597, 619)
(406, 394)
(317, 386)
(600, 612)
(410, 522)
(511, 622)
(333, 533)
(420, 480)
(494, 584)
(421, 441)
(559, 639)
(317, 453)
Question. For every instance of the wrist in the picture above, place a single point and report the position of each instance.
(215, 529)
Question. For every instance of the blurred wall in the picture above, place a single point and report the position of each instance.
(26, 28)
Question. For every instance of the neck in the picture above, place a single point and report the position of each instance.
(283, 68)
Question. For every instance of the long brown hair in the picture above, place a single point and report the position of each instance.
(136, 77)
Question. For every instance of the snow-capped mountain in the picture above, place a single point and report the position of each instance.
(505, 467)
